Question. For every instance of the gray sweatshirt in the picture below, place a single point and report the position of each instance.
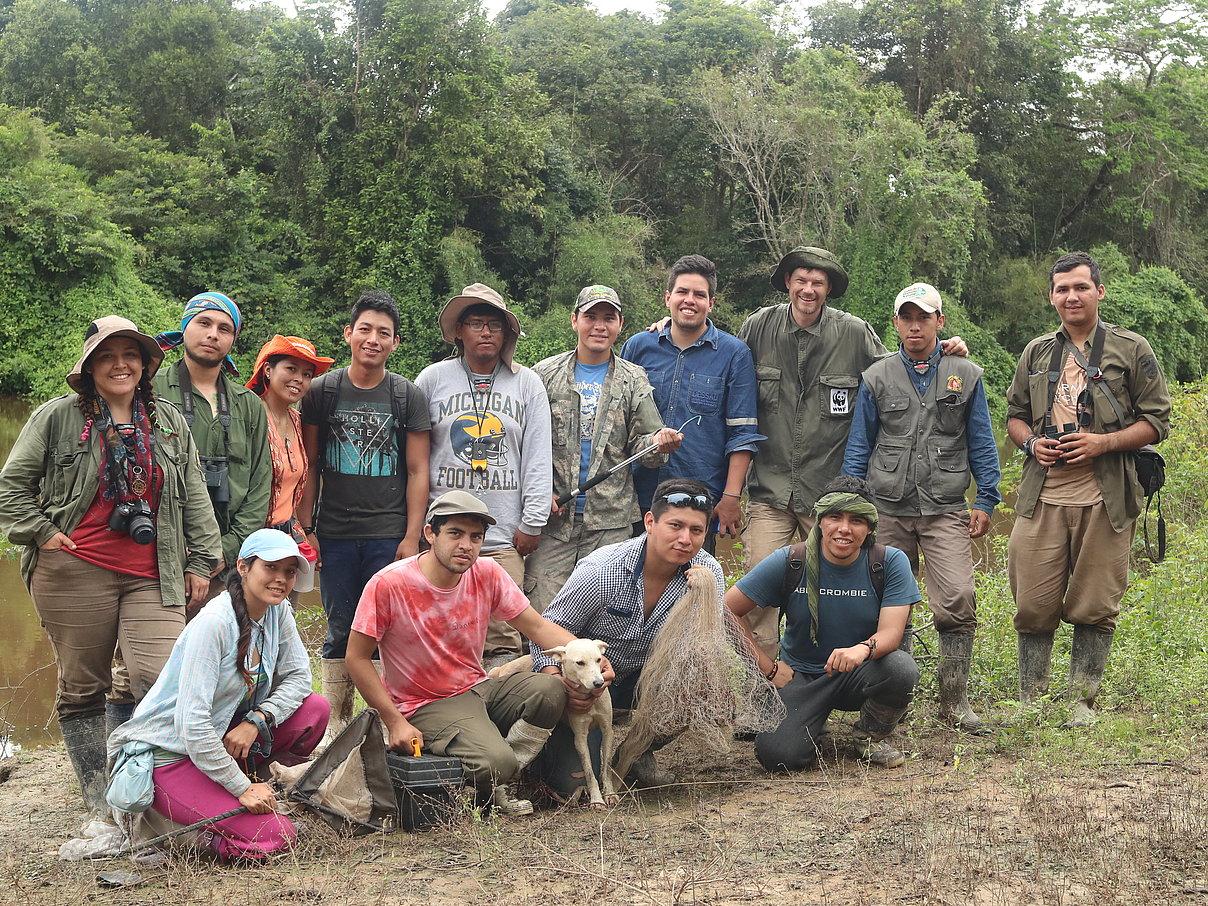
(513, 421)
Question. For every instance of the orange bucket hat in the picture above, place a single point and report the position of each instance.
(294, 347)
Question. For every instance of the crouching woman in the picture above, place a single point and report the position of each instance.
(234, 696)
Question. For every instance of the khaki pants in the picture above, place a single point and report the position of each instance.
(947, 564)
(87, 611)
(502, 638)
(1068, 563)
(472, 726)
(547, 568)
(768, 529)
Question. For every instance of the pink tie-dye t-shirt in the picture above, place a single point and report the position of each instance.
(430, 639)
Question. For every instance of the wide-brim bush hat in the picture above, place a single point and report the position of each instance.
(101, 330)
(811, 257)
(295, 348)
(479, 294)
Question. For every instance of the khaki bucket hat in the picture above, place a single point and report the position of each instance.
(479, 294)
(101, 330)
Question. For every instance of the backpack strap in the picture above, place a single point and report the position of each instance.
(398, 404)
(876, 570)
(794, 569)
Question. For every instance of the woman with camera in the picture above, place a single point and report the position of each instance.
(285, 366)
(234, 696)
(103, 489)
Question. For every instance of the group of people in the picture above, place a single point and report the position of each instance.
(168, 514)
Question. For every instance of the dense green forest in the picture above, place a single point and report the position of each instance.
(150, 149)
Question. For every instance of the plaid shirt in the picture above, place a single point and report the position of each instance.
(604, 600)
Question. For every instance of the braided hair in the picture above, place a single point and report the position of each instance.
(90, 405)
(239, 605)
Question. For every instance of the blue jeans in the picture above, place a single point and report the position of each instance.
(348, 564)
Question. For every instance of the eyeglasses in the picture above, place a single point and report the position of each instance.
(696, 501)
(477, 325)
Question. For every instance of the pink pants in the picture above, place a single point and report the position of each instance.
(185, 795)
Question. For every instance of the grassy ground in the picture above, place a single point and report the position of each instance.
(1033, 814)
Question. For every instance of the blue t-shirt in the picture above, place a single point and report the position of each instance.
(589, 381)
(848, 610)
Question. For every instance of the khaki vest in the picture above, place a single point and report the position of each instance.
(920, 459)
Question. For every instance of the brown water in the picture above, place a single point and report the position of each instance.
(27, 669)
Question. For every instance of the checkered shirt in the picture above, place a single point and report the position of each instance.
(603, 599)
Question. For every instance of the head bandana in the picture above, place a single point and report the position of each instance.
(836, 502)
(207, 301)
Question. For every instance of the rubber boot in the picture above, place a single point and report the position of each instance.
(645, 772)
(1035, 651)
(338, 689)
(1088, 660)
(527, 740)
(85, 741)
(956, 654)
(875, 723)
(116, 714)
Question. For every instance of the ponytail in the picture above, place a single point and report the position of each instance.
(239, 605)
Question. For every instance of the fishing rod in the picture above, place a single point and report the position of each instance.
(604, 476)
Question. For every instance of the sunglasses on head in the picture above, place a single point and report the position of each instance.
(696, 501)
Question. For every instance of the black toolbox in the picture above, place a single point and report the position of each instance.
(427, 787)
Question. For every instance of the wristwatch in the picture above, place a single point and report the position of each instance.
(872, 647)
(308, 530)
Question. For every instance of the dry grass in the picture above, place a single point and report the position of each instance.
(963, 823)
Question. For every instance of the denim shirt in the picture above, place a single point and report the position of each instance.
(713, 378)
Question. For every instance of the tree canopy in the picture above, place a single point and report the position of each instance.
(151, 149)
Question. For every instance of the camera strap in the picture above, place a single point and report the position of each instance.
(1093, 372)
(187, 406)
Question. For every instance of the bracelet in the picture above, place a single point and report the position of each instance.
(771, 673)
(728, 494)
(1029, 444)
(308, 530)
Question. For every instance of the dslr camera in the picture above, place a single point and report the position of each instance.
(217, 479)
(1051, 431)
(135, 519)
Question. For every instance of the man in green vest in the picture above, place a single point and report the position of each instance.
(921, 427)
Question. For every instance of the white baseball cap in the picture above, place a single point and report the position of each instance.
(924, 295)
(272, 545)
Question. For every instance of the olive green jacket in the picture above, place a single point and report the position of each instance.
(1132, 374)
(808, 378)
(250, 470)
(626, 421)
(51, 479)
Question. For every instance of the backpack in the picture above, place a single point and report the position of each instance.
(794, 568)
(399, 390)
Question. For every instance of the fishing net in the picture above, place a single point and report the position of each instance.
(700, 678)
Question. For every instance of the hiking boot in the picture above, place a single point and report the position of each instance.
(1088, 660)
(1035, 650)
(956, 653)
(876, 751)
(646, 773)
(508, 805)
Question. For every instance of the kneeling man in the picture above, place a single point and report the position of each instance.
(843, 628)
(621, 594)
(428, 615)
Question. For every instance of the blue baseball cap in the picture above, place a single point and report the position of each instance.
(272, 545)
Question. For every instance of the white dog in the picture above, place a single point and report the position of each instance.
(580, 661)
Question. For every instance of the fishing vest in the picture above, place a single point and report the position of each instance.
(920, 459)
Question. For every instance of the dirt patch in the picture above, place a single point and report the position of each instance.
(961, 824)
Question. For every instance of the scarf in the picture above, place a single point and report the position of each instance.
(208, 301)
(836, 502)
